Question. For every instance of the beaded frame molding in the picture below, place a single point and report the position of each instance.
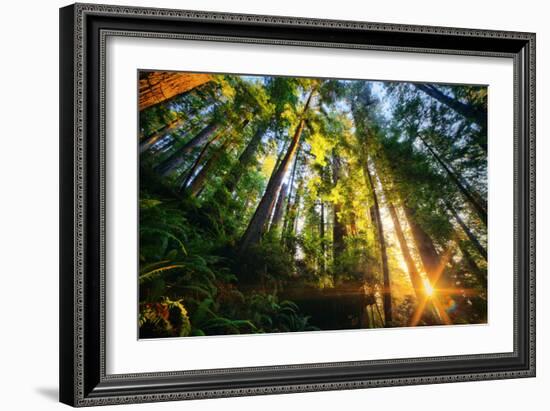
(83, 32)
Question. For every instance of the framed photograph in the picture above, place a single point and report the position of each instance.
(259, 204)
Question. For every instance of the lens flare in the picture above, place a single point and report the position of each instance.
(428, 289)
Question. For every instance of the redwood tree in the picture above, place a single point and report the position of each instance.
(259, 220)
(156, 87)
(177, 158)
(381, 243)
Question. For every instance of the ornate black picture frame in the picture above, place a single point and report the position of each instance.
(83, 30)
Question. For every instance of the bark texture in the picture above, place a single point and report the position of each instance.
(246, 159)
(179, 156)
(158, 135)
(375, 210)
(279, 208)
(425, 246)
(157, 87)
(257, 225)
(199, 181)
(338, 227)
(198, 161)
(414, 275)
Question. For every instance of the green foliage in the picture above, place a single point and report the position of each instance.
(165, 318)
(266, 263)
(178, 261)
(270, 315)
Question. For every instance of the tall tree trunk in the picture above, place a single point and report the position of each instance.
(338, 231)
(199, 181)
(279, 208)
(258, 223)
(471, 113)
(338, 227)
(246, 159)
(430, 314)
(179, 156)
(414, 275)
(353, 224)
(291, 216)
(159, 134)
(382, 243)
(177, 124)
(290, 221)
(434, 269)
(425, 246)
(322, 236)
(473, 199)
(426, 310)
(157, 87)
(291, 202)
(198, 161)
(481, 250)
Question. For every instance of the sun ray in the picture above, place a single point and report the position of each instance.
(431, 293)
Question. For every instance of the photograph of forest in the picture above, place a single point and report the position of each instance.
(272, 204)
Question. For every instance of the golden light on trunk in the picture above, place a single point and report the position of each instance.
(156, 87)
